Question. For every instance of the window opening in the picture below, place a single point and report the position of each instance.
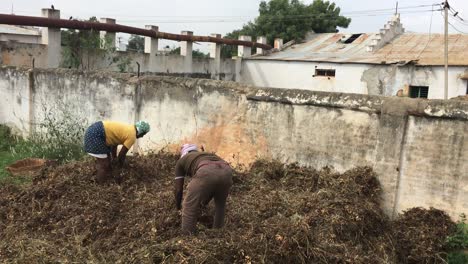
(419, 91)
(352, 38)
(325, 72)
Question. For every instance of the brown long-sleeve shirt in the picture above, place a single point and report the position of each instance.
(188, 164)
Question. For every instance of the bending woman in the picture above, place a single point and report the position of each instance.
(211, 179)
(101, 141)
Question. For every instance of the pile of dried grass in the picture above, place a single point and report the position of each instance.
(276, 214)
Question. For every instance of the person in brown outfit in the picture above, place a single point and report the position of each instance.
(211, 179)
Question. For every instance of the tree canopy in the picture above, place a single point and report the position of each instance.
(136, 43)
(77, 43)
(291, 20)
(195, 53)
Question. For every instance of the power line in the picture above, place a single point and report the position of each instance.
(456, 29)
(429, 39)
(456, 13)
(458, 18)
(285, 18)
(366, 11)
(453, 27)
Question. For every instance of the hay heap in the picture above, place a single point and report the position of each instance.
(276, 214)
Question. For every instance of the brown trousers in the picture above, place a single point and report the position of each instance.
(213, 179)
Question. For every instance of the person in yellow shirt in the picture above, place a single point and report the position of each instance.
(101, 141)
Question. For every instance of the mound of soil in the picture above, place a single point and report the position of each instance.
(421, 235)
(276, 213)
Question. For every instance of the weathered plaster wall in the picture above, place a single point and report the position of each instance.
(16, 99)
(96, 95)
(417, 147)
(352, 78)
(22, 54)
(433, 173)
(20, 38)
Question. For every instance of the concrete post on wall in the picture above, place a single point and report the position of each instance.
(262, 40)
(186, 51)
(215, 53)
(52, 38)
(151, 47)
(243, 51)
(278, 43)
(107, 38)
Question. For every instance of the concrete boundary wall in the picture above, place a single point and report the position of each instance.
(27, 54)
(417, 147)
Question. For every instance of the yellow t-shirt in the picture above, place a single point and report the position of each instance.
(119, 134)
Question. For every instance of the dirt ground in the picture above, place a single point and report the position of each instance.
(276, 213)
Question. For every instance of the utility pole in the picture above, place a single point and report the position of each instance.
(396, 9)
(446, 7)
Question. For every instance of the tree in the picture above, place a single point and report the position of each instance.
(83, 48)
(195, 53)
(86, 50)
(77, 44)
(136, 43)
(290, 20)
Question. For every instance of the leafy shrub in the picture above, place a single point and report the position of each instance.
(458, 242)
(6, 138)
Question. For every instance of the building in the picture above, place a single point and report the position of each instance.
(389, 63)
(20, 34)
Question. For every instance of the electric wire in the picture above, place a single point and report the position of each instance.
(272, 19)
(231, 19)
(430, 36)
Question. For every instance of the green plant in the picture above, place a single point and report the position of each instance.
(195, 53)
(458, 243)
(136, 43)
(123, 64)
(86, 50)
(289, 20)
(58, 136)
(6, 137)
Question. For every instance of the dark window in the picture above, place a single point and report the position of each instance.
(352, 38)
(324, 72)
(467, 87)
(419, 91)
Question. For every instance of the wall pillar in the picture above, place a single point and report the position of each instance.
(107, 38)
(52, 38)
(243, 51)
(238, 69)
(215, 53)
(278, 43)
(151, 48)
(389, 149)
(262, 40)
(186, 48)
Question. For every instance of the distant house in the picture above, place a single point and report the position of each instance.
(390, 62)
(20, 34)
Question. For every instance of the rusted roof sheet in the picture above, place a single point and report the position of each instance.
(420, 49)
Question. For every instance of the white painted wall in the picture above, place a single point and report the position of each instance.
(348, 79)
(299, 75)
(15, 100)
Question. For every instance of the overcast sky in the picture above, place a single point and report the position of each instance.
(222, 16)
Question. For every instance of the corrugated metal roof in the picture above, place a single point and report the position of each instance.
(9, 29)
(421, 49)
